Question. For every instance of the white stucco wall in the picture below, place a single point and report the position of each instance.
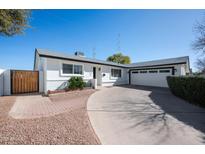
(7, 82)
(107, 80)
(1, 84)
(40, 62)
(40, 66)
(41, 79)
(180, 70)
(183, 70)
(55, 79)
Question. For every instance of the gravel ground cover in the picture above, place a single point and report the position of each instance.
(70, 127)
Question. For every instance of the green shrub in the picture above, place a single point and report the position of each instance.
(76, 83)
(191, 89)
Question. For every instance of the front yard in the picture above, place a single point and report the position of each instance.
(70, 127)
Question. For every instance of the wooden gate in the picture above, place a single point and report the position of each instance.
(24, 81)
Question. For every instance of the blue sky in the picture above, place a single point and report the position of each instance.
(144, 35)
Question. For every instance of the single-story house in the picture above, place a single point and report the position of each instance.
(52, 70)
(57, 69)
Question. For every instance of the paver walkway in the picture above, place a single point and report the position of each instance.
(36, 106)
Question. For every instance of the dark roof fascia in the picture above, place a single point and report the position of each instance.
(151, 66)
(56, 57)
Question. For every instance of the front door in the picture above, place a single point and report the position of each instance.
(97, 75)
(94, 72)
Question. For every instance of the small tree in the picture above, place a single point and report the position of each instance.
(13, 21)
(119, 58)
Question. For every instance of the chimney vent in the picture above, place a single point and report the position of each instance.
(80, 54)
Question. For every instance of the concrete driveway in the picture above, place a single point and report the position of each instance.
(144, 115)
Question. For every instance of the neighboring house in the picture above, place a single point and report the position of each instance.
(57, 69)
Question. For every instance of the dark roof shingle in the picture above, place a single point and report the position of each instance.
(47, 53)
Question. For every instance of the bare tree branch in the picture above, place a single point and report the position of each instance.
(201, 64)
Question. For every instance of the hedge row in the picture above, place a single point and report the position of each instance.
(191, 89)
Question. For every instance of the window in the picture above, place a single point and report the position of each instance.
(135, 72)
(143, 71)
(153, 71)
(164, 71)
(78, 69)
(116, 73)
(72, 69)
(67, 69)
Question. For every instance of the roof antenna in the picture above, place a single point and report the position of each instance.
(118, 43)
(94, 53)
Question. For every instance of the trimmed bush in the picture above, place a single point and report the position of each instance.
(191, 89)
(76, 83)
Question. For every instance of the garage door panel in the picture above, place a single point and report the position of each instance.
(150, 79)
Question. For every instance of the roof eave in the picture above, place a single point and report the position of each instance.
(66, 58)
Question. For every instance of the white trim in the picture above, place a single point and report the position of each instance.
(45, 75)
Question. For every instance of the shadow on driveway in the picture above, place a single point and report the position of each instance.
(145, 115)
(169, 104)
